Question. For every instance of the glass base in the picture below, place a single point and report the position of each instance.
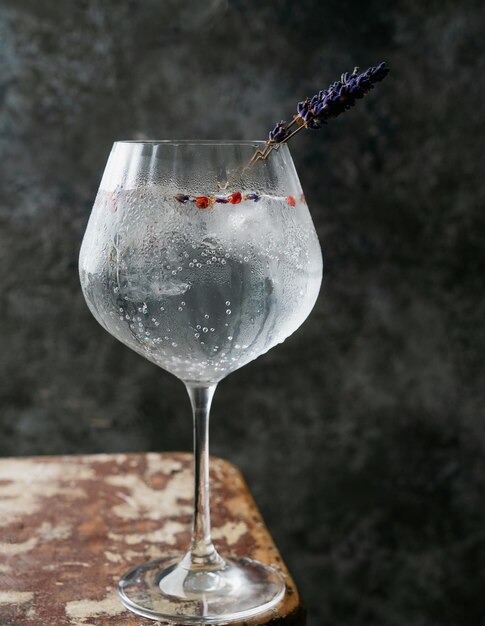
(168, 590)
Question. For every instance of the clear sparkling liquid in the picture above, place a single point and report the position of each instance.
(201, 305)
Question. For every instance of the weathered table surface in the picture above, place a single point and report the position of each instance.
(71, 525)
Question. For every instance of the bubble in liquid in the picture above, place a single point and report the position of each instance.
(228, 303)
(181, 308)
(246, 259)
(228, 311)
(223, 262)
(191, 264)
(230, 338)
(199, 265)
(174, 272)
(196, 335)
(212, 330)
(206, 316)
(174, 345)
(198, 327)
(205, 329)
(182, 304)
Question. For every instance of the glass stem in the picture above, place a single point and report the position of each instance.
(202, 553)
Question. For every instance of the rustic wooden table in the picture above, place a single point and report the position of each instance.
(71, 525)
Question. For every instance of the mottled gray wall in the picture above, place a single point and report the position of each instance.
(363, 436)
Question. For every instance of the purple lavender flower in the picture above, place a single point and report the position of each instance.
(315, 111)
(279, 132)
(340, 96)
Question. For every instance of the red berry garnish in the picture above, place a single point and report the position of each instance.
(235, 198)
(291, 201)
(202, 202)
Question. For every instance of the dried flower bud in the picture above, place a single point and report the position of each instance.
(279, 132)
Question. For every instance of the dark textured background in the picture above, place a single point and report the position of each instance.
(363, 436)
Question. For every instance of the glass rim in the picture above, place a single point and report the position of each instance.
(194, 142)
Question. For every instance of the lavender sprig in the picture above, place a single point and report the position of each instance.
(314, 112)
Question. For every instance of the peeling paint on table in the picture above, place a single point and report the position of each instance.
(70, 526)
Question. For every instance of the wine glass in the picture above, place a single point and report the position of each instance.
(200, 263)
